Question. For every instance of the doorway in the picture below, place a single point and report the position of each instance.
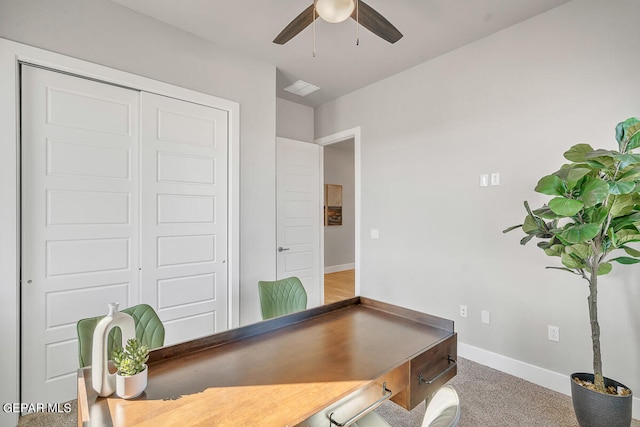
(339, 224)
(340, 237)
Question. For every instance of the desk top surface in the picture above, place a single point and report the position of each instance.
(278, 372)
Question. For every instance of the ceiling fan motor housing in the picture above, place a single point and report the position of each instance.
(334, 11)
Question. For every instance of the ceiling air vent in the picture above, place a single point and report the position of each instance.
(301, 88)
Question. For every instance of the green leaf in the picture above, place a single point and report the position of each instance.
(577, 153)
(627, 159)
(628, 131)
(565, 207)
(604, 157)
(630, 174)
(620, 127)
(633, 134)
(625, 221)
(604, 268)
(626, 260)
(563, 171)
(621, 205)
(594, 191)
(513, 227)
(580, 250)
(595, 154)
(546, 213)
(530, 225)
(554, 250)
(575, 175)
(631, 251)
(621, 187)
(596, 215)
(571, 261)
(526, 239)
(578, 233)
(626, 236)
(596, 165)
(550, 185)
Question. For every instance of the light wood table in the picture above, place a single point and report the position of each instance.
(334, 362)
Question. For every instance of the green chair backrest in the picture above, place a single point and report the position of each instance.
(149, 331)
(281, 297)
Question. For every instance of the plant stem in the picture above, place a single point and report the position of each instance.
(598, 378)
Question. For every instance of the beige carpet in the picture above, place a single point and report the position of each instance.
(488, 398)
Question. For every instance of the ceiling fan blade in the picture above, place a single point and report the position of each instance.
(301, 22)
(376, 23)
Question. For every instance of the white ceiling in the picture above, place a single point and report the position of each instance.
(430, 28)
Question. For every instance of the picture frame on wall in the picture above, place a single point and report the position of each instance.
(332, 204)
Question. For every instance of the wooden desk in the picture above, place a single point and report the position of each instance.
(294, 370)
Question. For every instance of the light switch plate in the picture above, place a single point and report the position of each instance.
(486, 317)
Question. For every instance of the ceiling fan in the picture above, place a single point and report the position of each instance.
(337, 11)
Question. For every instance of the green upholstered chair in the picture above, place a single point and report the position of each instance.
(149, 331)
(281, 297)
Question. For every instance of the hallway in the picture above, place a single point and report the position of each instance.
(339, 286)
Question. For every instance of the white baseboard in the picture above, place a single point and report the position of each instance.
(534, 374)
(336, 268)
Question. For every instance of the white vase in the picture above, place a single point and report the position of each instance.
(103, 381)
(131, 386)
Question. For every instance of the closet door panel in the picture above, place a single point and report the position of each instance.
(80, 219)
(184, 215)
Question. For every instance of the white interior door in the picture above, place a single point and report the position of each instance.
(184, 216)
(298, 215)
(79, 219)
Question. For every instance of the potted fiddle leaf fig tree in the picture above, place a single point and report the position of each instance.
(591, 222)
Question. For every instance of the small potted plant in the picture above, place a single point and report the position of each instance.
(591, 222)
(131, 377)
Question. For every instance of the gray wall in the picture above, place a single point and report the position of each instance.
(510, 103)
(339, 241)
(109, 34)
(294, 121)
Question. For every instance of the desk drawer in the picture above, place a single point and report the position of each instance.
(430, 370)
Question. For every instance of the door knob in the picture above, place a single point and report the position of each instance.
(281, 249)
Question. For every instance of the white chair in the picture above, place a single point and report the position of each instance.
(443, 410)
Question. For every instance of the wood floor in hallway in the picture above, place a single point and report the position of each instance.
(339, 286)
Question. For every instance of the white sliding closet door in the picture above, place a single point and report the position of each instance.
(184, 215)
(123, 199)
(80, 217)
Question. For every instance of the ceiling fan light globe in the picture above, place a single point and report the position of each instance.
(334, 11)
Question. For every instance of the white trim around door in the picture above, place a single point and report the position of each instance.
(11, 55)
(332, 139)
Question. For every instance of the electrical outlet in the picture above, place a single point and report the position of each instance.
(495, 178)
(463, 311)
(553, 333)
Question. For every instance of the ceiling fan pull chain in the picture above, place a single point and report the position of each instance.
(314, 28)
(357, 23)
